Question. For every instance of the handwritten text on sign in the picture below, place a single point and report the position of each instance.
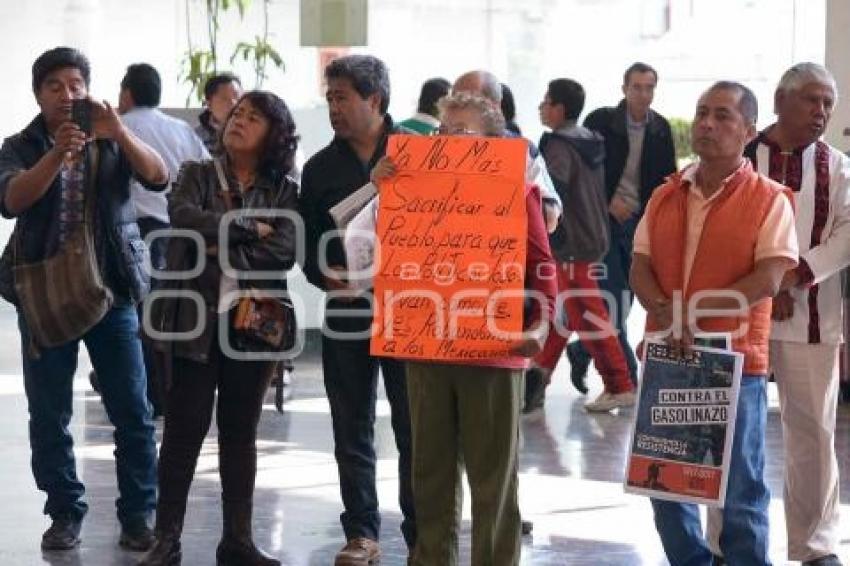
(451, 237)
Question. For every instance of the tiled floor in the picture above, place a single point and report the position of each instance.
(571, 473)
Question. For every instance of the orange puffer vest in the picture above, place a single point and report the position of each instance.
(725, 253)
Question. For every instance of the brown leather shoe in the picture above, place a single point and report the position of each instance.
(359, 551)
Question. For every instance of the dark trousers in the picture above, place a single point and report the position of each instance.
(351, 379)
(618, 262)
(189, 406)
(116, 354)
(156, 385)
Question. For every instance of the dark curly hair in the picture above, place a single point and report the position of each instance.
(278, 156)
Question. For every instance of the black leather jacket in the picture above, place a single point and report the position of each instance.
(117, 238)
(197, 204)
(658, 156)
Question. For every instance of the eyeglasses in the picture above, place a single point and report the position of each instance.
(443, 131)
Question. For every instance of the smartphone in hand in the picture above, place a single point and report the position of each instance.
(81, 111)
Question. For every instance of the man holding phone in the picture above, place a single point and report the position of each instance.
(43, 174)
(81, 114)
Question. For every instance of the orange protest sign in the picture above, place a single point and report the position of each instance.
(450, 247)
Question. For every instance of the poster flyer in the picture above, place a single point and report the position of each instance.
(451, 249)
(684, 424)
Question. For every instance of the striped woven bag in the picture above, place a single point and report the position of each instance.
(64, 296)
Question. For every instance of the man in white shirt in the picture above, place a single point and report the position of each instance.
(807, 314)
(173, 139)
(176, 142)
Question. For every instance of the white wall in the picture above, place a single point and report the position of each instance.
(526, 43)
(837, 50)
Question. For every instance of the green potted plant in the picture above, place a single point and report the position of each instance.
(681, 129)
(200, 62)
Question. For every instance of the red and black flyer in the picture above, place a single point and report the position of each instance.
(684, 424)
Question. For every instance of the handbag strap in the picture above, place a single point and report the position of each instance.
(92, 157)
(92, 163)
(225, 186)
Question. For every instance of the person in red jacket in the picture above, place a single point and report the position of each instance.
(575, 156)
(467, 415)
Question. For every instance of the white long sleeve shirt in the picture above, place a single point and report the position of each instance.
(817, 306)
(175, 141)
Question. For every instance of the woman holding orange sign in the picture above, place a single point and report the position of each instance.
(467, 415)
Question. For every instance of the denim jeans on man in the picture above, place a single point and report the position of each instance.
(618, 263)
(116, 354)
(351, 381)
(156, 385)
(744, 534)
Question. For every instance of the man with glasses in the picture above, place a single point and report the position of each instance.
(575, 158)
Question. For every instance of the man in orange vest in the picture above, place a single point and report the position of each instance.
(722, 232)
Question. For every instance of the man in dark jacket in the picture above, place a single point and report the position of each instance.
(221, 93)
(358, 95)
(43, 175)
(575, 157)
(639, 154)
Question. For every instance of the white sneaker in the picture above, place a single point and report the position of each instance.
(608, 401)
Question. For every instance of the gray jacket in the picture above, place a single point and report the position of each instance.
(575, 157)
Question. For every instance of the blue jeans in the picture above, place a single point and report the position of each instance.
(744, 534)
(116, 354)
(155, 379)
(618, 262)
(351, 380)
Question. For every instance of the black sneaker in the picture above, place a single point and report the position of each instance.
(578, 367)
(535, 390)
(527, 527)
(136, 536)
(63, 534)
(828, 560)
(166, 551)
(93, 381)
